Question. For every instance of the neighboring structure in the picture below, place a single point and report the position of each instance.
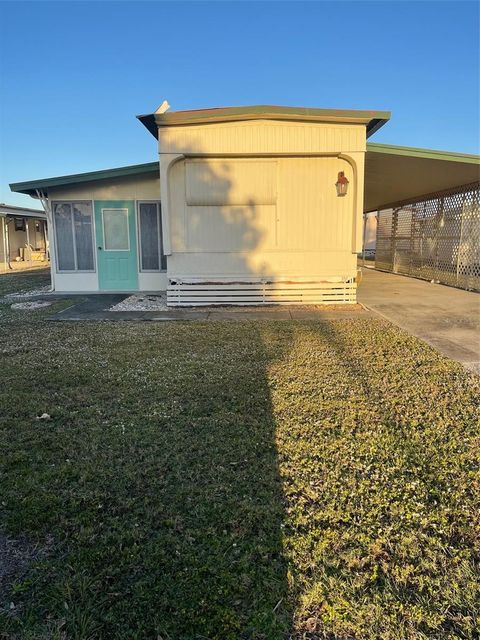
(369, 234)
(23, 237)
(252, 205)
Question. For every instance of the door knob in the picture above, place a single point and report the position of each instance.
(100, 248)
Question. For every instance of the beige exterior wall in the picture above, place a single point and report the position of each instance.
(257, 200)
(132, 188)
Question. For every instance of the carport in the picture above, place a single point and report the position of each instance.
(427, 205)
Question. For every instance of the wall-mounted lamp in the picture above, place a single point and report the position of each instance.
(341, 184)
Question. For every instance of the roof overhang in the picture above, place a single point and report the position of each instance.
(373, 120)
(13, 211)
(395, 175)
(44, 184)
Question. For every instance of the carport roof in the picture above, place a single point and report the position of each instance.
(396, 174)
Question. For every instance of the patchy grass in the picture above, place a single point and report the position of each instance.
(13, 281)
(237, 480)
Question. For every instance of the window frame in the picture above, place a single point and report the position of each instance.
(161, 253)
(94, 251)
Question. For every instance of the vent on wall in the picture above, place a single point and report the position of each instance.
(203, 293)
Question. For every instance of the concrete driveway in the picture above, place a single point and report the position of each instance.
(446, 318)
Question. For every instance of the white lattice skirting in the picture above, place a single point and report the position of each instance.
(194, 294)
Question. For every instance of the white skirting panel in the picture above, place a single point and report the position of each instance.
(194, 294)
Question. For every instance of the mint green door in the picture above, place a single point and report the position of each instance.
(116, 245)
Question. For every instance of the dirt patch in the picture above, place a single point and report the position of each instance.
(276, 308)
(16, 557)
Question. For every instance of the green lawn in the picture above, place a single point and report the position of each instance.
(227, 481)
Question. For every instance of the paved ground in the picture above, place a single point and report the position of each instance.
(446, 318)
(95, 308)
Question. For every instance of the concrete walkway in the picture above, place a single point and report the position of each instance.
(446, 318)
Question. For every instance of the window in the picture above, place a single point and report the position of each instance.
(20, 224)
(115, 230)
(74, 236)
(152, 257)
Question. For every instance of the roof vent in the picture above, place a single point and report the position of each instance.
(163, 107)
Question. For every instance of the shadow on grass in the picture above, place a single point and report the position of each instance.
(159, 477)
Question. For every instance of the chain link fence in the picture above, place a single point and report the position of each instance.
(435, 238)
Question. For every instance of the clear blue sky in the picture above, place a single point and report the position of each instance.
(74, 75)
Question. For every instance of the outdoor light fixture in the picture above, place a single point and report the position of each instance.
(341, 184)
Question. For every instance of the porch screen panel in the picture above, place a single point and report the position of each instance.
(74, 236)
(149, 237)
(64, 237)
(151, 254)
(82, 216)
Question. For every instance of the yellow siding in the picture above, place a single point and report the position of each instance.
(262, 136)
(311, 217)
(306, 231)
(227, 181)
(255, 202)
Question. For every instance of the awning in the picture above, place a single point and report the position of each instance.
(398, 174)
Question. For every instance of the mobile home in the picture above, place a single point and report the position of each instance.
(247, 205)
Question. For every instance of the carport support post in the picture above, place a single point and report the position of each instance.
(7, 242)
(460, 241)
(365, 215)
(27, 229)
(438, 226)
(4, 238)
(394, 237)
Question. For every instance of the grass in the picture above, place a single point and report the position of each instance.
(18, 281)
(246, 480)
